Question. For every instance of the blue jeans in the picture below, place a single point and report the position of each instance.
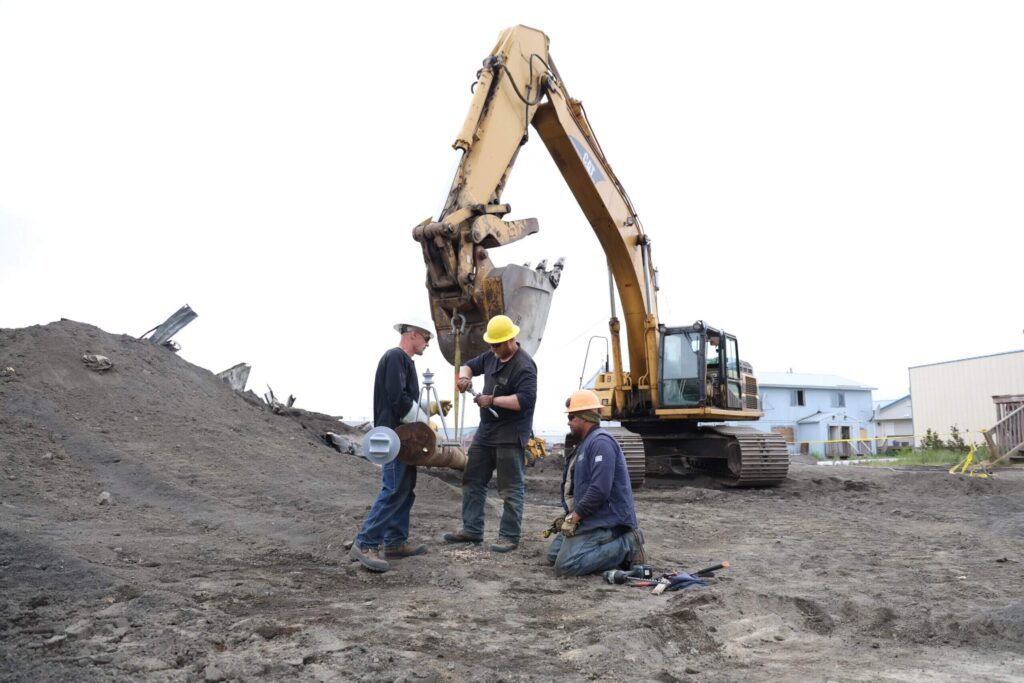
(388, 521)
(591, 552)
(481, 464)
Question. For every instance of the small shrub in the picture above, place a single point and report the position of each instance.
(956, 441)
(932, 441)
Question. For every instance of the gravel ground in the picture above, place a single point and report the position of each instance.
(218, 554)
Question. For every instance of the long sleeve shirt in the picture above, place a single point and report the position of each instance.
(395, 388)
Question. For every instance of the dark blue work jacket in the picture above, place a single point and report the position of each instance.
(601, 490)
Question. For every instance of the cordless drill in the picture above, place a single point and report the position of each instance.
(638, 572)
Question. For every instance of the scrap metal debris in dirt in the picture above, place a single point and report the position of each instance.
(96, 362)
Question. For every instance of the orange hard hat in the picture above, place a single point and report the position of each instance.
(581, 400)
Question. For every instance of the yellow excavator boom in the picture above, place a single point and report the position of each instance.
(704, 381)
(518, 85)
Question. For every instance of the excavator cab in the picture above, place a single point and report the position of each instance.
(691, 374)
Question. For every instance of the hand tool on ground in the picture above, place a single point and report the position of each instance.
(678, 580)
(709, 571)
(473, 392)
(640, 574)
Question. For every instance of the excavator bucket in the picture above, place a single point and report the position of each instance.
(521, 293)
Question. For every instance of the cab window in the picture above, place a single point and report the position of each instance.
(681, 371)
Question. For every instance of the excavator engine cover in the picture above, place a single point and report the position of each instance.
(521, 293)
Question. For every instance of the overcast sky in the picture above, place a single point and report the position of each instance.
(838, 184)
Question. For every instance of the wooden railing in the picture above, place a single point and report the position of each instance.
(846, 449)
(1006, 437)
(895, 442)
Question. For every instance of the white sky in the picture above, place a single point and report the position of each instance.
(839, 184)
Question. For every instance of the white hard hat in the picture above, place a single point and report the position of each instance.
(417, 322)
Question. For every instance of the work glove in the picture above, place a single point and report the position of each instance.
(556, 526)
(440, 408)
(420, 412)
(569, 527)
(464, 383)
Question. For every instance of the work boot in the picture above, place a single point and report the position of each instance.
(404, 550)
(370, 558)
(455, 537)
(639, 554)
(504, 545)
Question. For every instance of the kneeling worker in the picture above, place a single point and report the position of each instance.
(599, 530)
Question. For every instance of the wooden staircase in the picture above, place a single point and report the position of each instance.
(1006, 437)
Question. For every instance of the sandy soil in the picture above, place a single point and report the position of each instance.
(220, 556)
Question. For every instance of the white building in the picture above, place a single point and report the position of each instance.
(817, 414)
(894, 424)
(959, 393)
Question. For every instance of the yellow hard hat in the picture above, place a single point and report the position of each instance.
(581, 400)
(500, 328)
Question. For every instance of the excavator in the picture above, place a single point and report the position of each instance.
(682, 382)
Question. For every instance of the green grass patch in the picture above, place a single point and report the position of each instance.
(938, 456)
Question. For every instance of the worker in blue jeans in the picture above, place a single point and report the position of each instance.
(506, 422)
(599, 530)
(385, 532)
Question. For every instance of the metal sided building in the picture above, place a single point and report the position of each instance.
(959, 392)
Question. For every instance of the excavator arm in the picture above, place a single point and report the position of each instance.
(465, 287)
(519, 85)
(563, 126)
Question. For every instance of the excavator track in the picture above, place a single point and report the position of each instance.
(732, 456)
(752, 458)
(633, 448)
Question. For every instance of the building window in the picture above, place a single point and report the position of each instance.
(796, 397)
(839, 399)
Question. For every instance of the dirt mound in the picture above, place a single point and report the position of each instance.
(217, 554)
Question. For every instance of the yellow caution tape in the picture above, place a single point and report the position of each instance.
(967, 466)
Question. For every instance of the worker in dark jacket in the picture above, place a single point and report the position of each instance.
(385, 532)
(506, 422)
(599, 530)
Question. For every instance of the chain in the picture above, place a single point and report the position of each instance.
(459, 328)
